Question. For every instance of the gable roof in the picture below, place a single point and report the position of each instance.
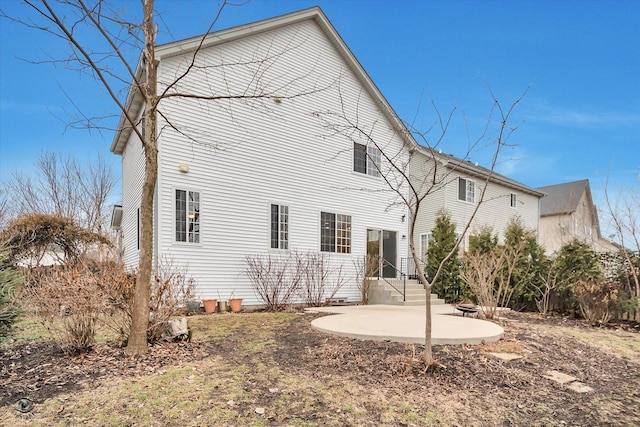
(134, 102)
(563, 198)
(457, 164)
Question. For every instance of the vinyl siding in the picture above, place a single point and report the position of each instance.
(422, 170)
(495, 212)
(247, 154)
(132, 179)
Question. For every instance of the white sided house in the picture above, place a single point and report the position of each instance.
(457, 188)
(256, 171)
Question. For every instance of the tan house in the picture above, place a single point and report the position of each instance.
(567, 212)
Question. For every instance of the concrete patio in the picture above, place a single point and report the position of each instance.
(405, 324)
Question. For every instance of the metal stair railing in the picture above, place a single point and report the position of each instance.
(398, 272)
(408, 267)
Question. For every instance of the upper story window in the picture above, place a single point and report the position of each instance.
(187, 216)
(466, 190)
(279, 227)
(514, 200)
(335, 233)
(366, 159)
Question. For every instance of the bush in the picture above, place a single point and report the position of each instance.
(366, 268)
(528, 265)
(10, 281)
(171, 289)
(575, 262)
(481, 271)
(494, 272)
(68, 302)
(72, 301)
(597, 299)
(274, 281)
(320, 280)
(307, 275)
(448, 285)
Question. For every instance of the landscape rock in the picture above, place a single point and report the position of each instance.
(559, 377)
(507, 357)
(579, 387)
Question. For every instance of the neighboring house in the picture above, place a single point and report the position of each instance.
(456, 186)
(567, 212)
(54, 255)
(264, 176)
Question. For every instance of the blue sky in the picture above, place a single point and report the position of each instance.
(580, 59)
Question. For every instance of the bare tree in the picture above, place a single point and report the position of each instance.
(4, 208)
(489, 273)
(546, 288)
(624, 217)
(61, 186)
(81, 23)
(397, 169)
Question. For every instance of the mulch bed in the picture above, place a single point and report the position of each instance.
(466, 378)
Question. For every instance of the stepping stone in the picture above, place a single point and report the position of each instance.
(559, 377)
(507, 357)
(579, 387)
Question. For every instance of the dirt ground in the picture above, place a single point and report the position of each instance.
(467, 387)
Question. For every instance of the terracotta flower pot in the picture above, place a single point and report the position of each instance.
(235, 304)
(210, 305)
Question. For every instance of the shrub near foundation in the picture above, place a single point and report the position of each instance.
(172, 289)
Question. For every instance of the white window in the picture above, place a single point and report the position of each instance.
(466, 190)
(425, 239)
(366, 159)
(279, 227)
(187, 216)
(514, 200)
(335, 233)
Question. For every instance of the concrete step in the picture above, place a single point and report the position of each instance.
(385, 293)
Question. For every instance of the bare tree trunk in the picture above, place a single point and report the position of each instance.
(427, 356)
(137, 343)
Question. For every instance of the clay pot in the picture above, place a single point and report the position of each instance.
(210, 305)
(235, 304)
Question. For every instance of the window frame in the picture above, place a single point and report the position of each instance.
(340, 237)
(197, 220)
(367, 159)
(282, 226)
(469, 184)
(425, 247)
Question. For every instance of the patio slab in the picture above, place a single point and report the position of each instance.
(405, 324)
